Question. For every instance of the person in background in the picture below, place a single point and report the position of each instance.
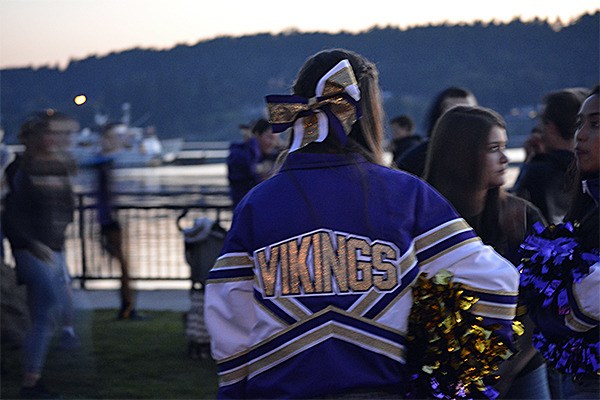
(37, 211)
(534, 144)
(251, 162)
(403, 136)
(467, 165)
(413, 161)
(110, 229)
(245, 132)
(5, 158)
(150, 144)
(568, 260)
(542, 180)
(311, 294)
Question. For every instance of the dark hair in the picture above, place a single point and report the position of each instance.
(366, 135)
(39, 122)
(436, 109)
(561, 108)
(457, 149)
(260, 127)
(404, 121)
(455, 167)
(583, 211)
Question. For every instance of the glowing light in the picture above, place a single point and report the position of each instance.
(80, 99)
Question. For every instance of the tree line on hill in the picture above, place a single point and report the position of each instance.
(202, 92)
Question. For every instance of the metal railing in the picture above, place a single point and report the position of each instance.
(152, 239)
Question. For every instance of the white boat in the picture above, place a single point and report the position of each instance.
(135, 148)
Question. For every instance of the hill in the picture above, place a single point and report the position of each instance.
(203, 91)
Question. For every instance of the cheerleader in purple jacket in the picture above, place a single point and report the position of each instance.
(561, 274)
(311, 295)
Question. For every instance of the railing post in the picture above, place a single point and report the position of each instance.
(81, 210)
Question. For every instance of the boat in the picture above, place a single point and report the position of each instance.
(130, 147)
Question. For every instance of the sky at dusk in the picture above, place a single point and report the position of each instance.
(52, 32)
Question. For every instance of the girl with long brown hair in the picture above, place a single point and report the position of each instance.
(467, 165)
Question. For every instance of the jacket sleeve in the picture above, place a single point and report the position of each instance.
(241, 170)
(17, 222)
(584, 301)
(229, 309)
(454, 246)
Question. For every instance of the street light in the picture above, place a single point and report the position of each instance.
(80, 99)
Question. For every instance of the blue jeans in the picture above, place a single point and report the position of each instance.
(534, 385)
(45, 284)
(564, 388)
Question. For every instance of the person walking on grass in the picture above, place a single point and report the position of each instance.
(37, 210)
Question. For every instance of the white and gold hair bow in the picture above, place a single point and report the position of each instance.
(336, 104)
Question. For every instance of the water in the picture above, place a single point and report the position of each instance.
(190, 178)
(161, 179)
(164, 180)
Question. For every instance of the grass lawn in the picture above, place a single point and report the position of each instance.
(120, 360)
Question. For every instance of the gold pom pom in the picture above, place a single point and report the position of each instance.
(451, 346)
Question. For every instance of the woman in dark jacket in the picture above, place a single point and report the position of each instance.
(467, 165)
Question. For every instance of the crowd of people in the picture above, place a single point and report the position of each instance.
(333, 248)
(38, 204)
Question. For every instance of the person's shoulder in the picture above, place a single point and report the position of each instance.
(516, 203)
(239, 150)
(15, 172)
(245, 146)
(551, 158)
(13, 165)
(236, 145)
(416, 139)
(512, 200)
(413, 160)
(417, 150)
(537, 169)
(399, 178)
(561, 158)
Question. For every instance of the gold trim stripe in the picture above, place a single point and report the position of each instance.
(578, 304)
(365, 302)
(233, 261)
(292, 307)
(272, 314)
(228, 280)
(450, 249)
(396, 299)
(488, 291)
(577, 325)
(237, 375)
(521, 310)
(408, 262)
(323, 333)
(494, 311)
(428, 239)
(326, 310)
